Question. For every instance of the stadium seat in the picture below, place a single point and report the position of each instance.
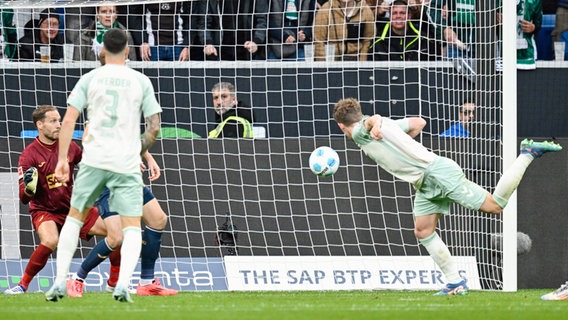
(77, 134)
(172, 132)
(544, 38)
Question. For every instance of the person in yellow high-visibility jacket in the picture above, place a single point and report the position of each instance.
(234, 118)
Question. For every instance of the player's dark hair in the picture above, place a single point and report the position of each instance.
(115, 40)
(347, 111)
(39, 113)
(466, 99)
(47, 14)
(399, 3)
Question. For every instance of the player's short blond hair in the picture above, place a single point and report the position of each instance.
(347, 111)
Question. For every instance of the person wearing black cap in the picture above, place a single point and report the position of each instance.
(39, 33)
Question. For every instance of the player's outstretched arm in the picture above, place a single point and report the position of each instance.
(151, 132)
(415, 126)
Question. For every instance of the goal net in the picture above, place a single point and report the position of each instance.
(248, 214)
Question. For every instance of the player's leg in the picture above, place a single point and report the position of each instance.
(99, 253)
(88, 185)
(68, 242)
(425, 232)
(114, 259)
(126, 199)
(116, 238)
(129, 252)
(48, 235)
(104, 248)
(99, 225)
(106, 223)
(155, 221)
(511, 178)
(429, 204)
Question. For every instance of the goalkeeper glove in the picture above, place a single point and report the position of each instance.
(30, 180)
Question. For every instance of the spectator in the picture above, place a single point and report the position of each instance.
(561, 21)
(462, 127)
(434, 22)
(166, 31)
(401, 40)
(415, 8)
(529, 16)
(290, 27)
(76, 20)
(381, 9)
(129, 17)
(233, 30)
(349, 25)
(39, 33)
(461, 18)
(91, 42)
(9, 40)
(437, 13)
(195, 45)
(21, 17)
(234, 118)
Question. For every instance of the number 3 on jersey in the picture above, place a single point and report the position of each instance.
(111, 109)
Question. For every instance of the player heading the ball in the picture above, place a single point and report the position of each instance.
(438, 181)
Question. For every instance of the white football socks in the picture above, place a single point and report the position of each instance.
(442, 256)
(129, 254)
(511, 179)
(68, 242)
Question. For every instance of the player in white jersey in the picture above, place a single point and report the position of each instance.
(116, 97)
(438, 181)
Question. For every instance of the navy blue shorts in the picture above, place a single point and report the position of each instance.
(102, 202)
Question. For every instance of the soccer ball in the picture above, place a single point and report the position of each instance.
(324, 161)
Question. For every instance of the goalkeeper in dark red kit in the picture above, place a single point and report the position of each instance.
(48, 199)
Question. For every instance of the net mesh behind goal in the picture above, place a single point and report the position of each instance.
(257, 197)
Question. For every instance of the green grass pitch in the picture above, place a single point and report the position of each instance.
(524, 304)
